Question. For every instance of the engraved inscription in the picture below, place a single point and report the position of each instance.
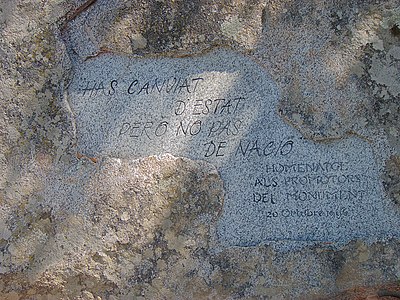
(307, 183)
(221, 108)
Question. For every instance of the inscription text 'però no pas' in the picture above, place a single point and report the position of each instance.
(221, 108)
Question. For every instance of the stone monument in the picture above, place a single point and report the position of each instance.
(199, 149)
(222, 108)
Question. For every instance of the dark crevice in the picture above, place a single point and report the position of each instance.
(395, 30)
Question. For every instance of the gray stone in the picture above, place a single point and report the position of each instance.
(114, 227)
(221, 108)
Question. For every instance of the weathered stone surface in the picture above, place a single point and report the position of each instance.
(98, 219)
(222, 108)
(164, 27)
(66, 230)
(110, 222)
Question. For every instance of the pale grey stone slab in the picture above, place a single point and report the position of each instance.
(221, 107)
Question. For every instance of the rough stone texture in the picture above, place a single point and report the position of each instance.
(221, 108)
(165, 27)
(114, 229)
(337, 66)
(321, 61)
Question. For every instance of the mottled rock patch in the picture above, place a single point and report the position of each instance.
(173, 28)
(123, 221)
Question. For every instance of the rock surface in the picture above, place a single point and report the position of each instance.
(74, 225)
(221, 108)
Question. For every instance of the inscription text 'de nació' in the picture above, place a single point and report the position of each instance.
(214, 119)
(222, 108)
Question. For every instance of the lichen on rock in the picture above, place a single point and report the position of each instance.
(173, 28)
(127, 218)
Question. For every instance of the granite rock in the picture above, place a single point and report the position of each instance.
(221, 108)
(164, 27)
(83, 223)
